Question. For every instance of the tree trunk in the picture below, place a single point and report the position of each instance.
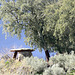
(47, 55)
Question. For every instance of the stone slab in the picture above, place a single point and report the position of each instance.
(22, 49)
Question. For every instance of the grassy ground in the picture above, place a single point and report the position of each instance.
(59, 65)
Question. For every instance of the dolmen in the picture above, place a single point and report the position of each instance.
(22, 52)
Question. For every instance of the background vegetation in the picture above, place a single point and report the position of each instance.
(62, 64)
(45, 23)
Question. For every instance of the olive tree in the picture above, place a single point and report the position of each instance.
(27, 16)
(60, 16)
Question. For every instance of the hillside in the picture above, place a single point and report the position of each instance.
(62, 64)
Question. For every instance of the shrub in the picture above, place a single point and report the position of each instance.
(62, 64)
(37, 65)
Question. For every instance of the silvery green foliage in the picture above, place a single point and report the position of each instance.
(44, 22)
(62, 64)
(38, 65)
(54, 70)
(61, 15)
(27, 16)
(64, 61)
(57, 70)
(59, 64)
(23, 71)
